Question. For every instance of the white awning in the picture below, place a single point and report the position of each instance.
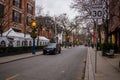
(12, 33)
(16, 35)
(42, 38)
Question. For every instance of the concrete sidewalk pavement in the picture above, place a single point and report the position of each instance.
(11, 58)
(106, 69)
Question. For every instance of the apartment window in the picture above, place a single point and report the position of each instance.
(16, 16)
(1, 11)
(29, 9)
(28, 20)
(17, 3)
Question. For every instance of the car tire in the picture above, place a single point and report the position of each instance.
(55, 52)
(59, 52)
(44, 53)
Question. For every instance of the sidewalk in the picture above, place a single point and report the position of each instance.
(106, 69)
(11, 58)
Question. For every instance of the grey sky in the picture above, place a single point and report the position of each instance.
(56, 7)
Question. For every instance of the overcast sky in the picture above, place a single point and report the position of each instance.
(56, 7)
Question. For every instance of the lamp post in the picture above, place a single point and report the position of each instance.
(1, 31)
(33, 34)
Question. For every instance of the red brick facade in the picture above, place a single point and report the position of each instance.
(114, 28)
(18, 14)
(46, 26)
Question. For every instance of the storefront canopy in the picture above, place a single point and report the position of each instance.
(11, 33)
(42, 38)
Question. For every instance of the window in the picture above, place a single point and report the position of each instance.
(10, 44)
(17, 3)
(18, 43)
(40, 43)
(25, 43)
(3, 44)
(28, 20)
(1, 11)
(16, 16)
(30, 43)
(22, 43)
(29, 9)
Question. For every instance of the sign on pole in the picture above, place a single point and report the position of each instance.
(97, 11)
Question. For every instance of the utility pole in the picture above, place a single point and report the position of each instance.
(56, 36)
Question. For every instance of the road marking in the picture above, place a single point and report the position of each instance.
(12, 77)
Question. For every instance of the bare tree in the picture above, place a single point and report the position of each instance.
(64, 21)
(84, 8)
(39, 10)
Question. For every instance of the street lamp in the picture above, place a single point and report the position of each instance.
(33, 34)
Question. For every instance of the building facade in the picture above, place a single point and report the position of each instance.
(45, 26)
(16, 14)
(114, 27)
(111, 24)
(49, 28)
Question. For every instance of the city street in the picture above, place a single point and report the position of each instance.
(81, 37)
(69, 65)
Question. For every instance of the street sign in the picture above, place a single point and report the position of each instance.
(97, 11)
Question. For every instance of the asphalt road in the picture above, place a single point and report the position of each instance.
(69, 65)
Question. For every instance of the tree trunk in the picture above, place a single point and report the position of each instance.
(106, 31)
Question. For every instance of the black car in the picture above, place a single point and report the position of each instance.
(52, 48)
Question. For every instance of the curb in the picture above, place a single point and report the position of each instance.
(89, 73)
(86, 69)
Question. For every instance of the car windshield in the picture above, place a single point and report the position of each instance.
(51, 45)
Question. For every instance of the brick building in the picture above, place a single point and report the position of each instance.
(16, 14)
(112, 22)
(114, 27)
(46, 26)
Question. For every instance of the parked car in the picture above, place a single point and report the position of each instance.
(52, 48)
